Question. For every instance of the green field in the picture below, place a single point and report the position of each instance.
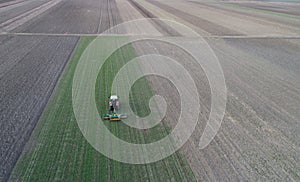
(57, 149)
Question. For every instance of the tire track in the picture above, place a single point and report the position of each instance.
(109, 16)
(17, 21)
(160, 26)
(10, 3)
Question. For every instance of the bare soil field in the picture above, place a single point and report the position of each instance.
(258, 139)
(233, 22)
(85, 17)
(17, 9)
(280, 7)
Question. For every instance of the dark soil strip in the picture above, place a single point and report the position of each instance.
(208, 26)
(114, 13)
(109, 16)
(74, 16)
(24, 94)
(161, 26)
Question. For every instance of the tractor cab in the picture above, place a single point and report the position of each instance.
(114, 97)
(113, 103)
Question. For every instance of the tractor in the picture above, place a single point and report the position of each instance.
(114, 105)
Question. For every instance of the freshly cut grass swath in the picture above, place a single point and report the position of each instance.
(58, 151)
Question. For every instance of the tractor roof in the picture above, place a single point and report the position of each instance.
(114, 97)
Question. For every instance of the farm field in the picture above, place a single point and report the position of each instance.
(59, 131)
(256, 43)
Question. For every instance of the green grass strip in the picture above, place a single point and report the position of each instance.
(57, 150)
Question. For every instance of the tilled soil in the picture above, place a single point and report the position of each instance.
(258, 139)
(279, 7)
(82, 17)
(234, 21)
(258, 136)
(27, 81)
(17, 9)
(204, 24)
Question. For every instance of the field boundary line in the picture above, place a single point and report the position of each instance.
(126, 35)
